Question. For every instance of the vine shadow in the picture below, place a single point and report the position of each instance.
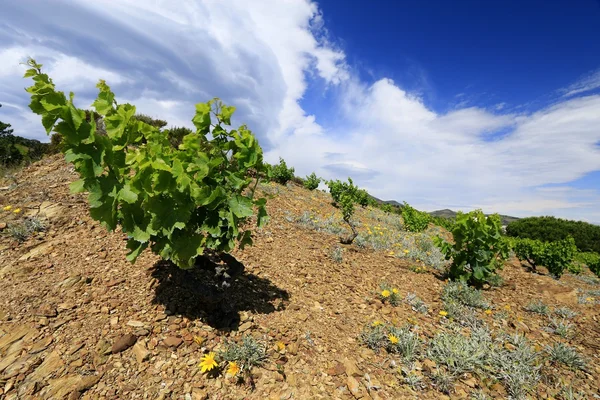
(215, 291)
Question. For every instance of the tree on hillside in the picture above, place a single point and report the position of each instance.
(5, 129)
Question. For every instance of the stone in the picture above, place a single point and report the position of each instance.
(428, 365)
(336, 370)
(353, 386)
(46, 310)
(123, 343)
(2, 225)
(245, 326)
(351, 368)
(199, 394)
(135, 324)
(140, 352)
(173, 341)
(114, 282)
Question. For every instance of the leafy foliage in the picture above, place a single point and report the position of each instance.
(589, 259)
(414, 220)
(478, 249)
(344, 195)
(551, 229)
(280, 173)
(555, 256)
(444, 222)
(363, 198)
(312, 181)
(178, 202)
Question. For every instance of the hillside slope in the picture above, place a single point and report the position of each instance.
(71, 307)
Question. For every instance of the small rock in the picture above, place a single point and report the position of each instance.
(114, 321)
(114, 282)
(471, 382)
(140, 352)
(353, 386)
(123, 343)
(351, 368)
(173, 341)
(428, 365)
(2, 225)
(245, 326)
(336, 370)
(135, 324)
(46, 311)
(199, 394)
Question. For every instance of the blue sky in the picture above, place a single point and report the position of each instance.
(462, 104)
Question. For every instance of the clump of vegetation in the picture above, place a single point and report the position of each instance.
(374, 336)
(461, 293)
(461, 353)
(22, 230)
(443, 381)
(517, 367)
(416, 303)
(552, 229)
(405, 342)
(344, 196)
(389, 294)
(337, 255)
(565, 312)
(311, 182)
(478, 249)
(179, 202)
(561, 327)
(246, 354)
(564, 354)
(538, 307)
(280, 173)
(555, 256)
(414, 220)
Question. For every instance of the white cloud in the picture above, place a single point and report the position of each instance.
(163, 58)
(585, 84)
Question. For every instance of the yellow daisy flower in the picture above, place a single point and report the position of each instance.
(507, 307)
(488, 312)
(443, 313)
(280, 346)
(393, 339)
(376, 323)
(385, 293)
(17, 210)
(233, 369)
(208, 363)
(405, 251)
(395, 291)
(7, 208)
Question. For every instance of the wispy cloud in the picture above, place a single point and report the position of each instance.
(585, 84)
(262, 58)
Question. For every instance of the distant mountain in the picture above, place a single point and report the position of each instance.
(446, 213)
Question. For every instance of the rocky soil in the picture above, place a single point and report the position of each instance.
(79, 321)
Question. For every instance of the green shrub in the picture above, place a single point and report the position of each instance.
(178, 202)
(247, 354)
(555, 256)
(344, 196)
(446, 223)
(176, 135)
(280, 173)
(363, 198)
(590, 260)
(312, 181)
(414, 220)
(478, 249)
(552, 229)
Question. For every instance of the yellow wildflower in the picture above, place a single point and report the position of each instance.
(391, 253)
(208, 363)
(395, 291)
(488, 312)
(233, 369)
(280, 346)
(376, 323)
(405, 251)
(443, 313)
(393, 339)
(507, 307)
(7, 208)
(385, 293)
(17, 210)
(589, 299)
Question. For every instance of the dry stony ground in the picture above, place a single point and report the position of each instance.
(78, 320)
